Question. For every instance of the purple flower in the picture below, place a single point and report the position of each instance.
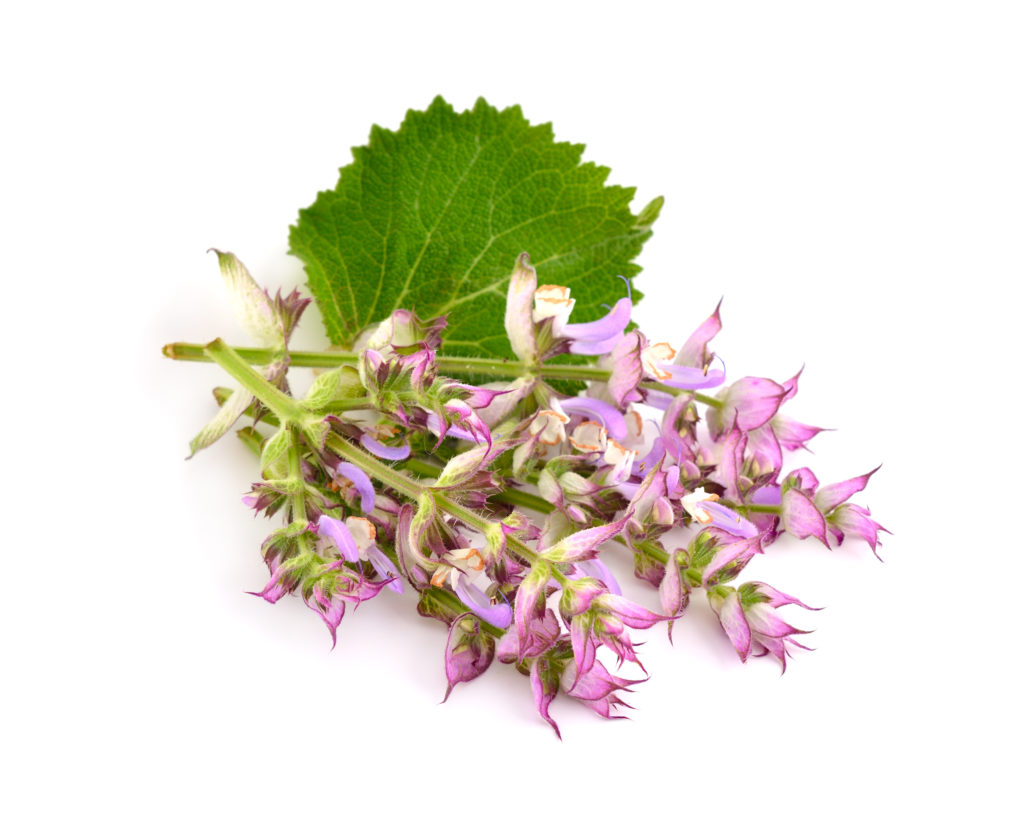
(459, 567)
(367, 495)
(627, 368)
(747, 404)
(338, 533)
(655, 360)
(468, 652)
(809, 511)
(364, 535)
(372, 445)
(612, 419)
(409, 344)
(329, 607)
(600, 336)
(694, 352)
(704, 507)
(584, 544)
(601, 618)
(748, 617)
(597, 688)
(460, 421)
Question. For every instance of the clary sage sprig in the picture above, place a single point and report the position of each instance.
(495, 502)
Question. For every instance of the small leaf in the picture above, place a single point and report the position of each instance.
(432, 217)
(253, 308)
(230, 411)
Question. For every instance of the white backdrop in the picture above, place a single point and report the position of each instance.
(847, 175)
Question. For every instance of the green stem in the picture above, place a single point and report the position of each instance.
(295, 475)
(675, 391)
(286, 408)
(761, 508)
(499, 368)
(374, 468)
(526, 500)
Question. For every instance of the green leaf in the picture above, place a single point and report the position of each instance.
(432, 217)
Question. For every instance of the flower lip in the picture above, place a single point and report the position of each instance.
(372, 445)
(612, 418)
(611, 325)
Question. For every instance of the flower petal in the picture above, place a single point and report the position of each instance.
(612, 419)
(499, 614)
(339, 534)
(372, 445)
(828, 497)
(367, 496)
(611, 324)
(726, 605)
(385, 568)
(694, 352)
(800, 517)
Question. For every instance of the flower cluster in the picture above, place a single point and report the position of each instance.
(496, 502)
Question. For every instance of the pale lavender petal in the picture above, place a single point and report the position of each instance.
(584, 544)
(764, 621)
(749, 403)
(853, 519)
(583, 647)
(731, 463)
(250, 501)
(480, 397)
(595, 348)
(766, 495)
(499, 614)
(672, 482)
(805, 479)
(792, 434)
(658, 400)
(730, 615)
(828, 497)
(649, 461)
(629, 612)
(578, 594)
(627, 489)
(597, 569)
(367, 495)
(670, 436)
(338, 532)
(605, 413)
(695, 350)
(670, 591)
(330, 609)
(776, 598)
(277, 586)
(800, 517)
(371, 444)
(435, 426)
(792, 384)
(732, 555)
(387, 569)
(530, 603)
(627, 368)
(763, 447)
(692, 378)
(466, 655)
(597, 683)
(611, 324)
